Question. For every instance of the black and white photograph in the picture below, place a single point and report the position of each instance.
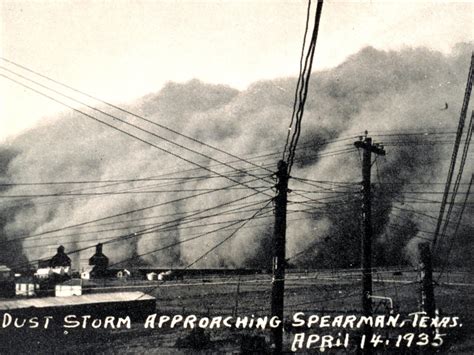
(236, 177)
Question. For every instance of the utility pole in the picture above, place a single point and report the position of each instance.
(366, 246)
(279, 262)
(426, 295)
(427, 302)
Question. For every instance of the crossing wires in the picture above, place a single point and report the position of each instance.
(462, 119)
(301, 92)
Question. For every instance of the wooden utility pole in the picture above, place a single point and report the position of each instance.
(427, 302)
(366, 246)
(279, 262)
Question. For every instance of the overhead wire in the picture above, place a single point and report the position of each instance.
(176, 228)
(179, 222)
(197, 237)
(128, 112)
(458, 177)
(141, 209)
(456, 229)
(176, 155)
(300, 74)
(124, 192)
(462, 118)
(125, 122)
(150, 229)
(303, 87)
(216, 245)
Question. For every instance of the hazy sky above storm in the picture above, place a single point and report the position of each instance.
(120, 50)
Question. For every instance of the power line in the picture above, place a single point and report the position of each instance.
(124, 192)
(227, 238)
(300, 77)
(455, 233)
(164, 226)
(128, 133)
(125, 122)
(155, 228)
(303, 87)
(177, 227)
(229, 223)
(88, 182)
(421, 214)
(459, 176)
(128, 112)
(174, 227)
(425, 133)
(329, 182)
(63, 200)
(151, 178)
(183, 214)
(199, 236)
(397, 227)
(117, 181)
(415, 183)
(462, 118)
(126, 213)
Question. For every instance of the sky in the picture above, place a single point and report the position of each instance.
(122, 50)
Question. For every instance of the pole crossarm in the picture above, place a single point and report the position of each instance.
(367, 145)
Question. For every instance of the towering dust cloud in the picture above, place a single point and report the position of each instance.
(383, 92)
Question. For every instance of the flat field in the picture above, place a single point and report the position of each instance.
(319, 293)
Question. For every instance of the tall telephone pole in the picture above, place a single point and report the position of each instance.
(279, 262)
(427, 302)
(366, 246)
